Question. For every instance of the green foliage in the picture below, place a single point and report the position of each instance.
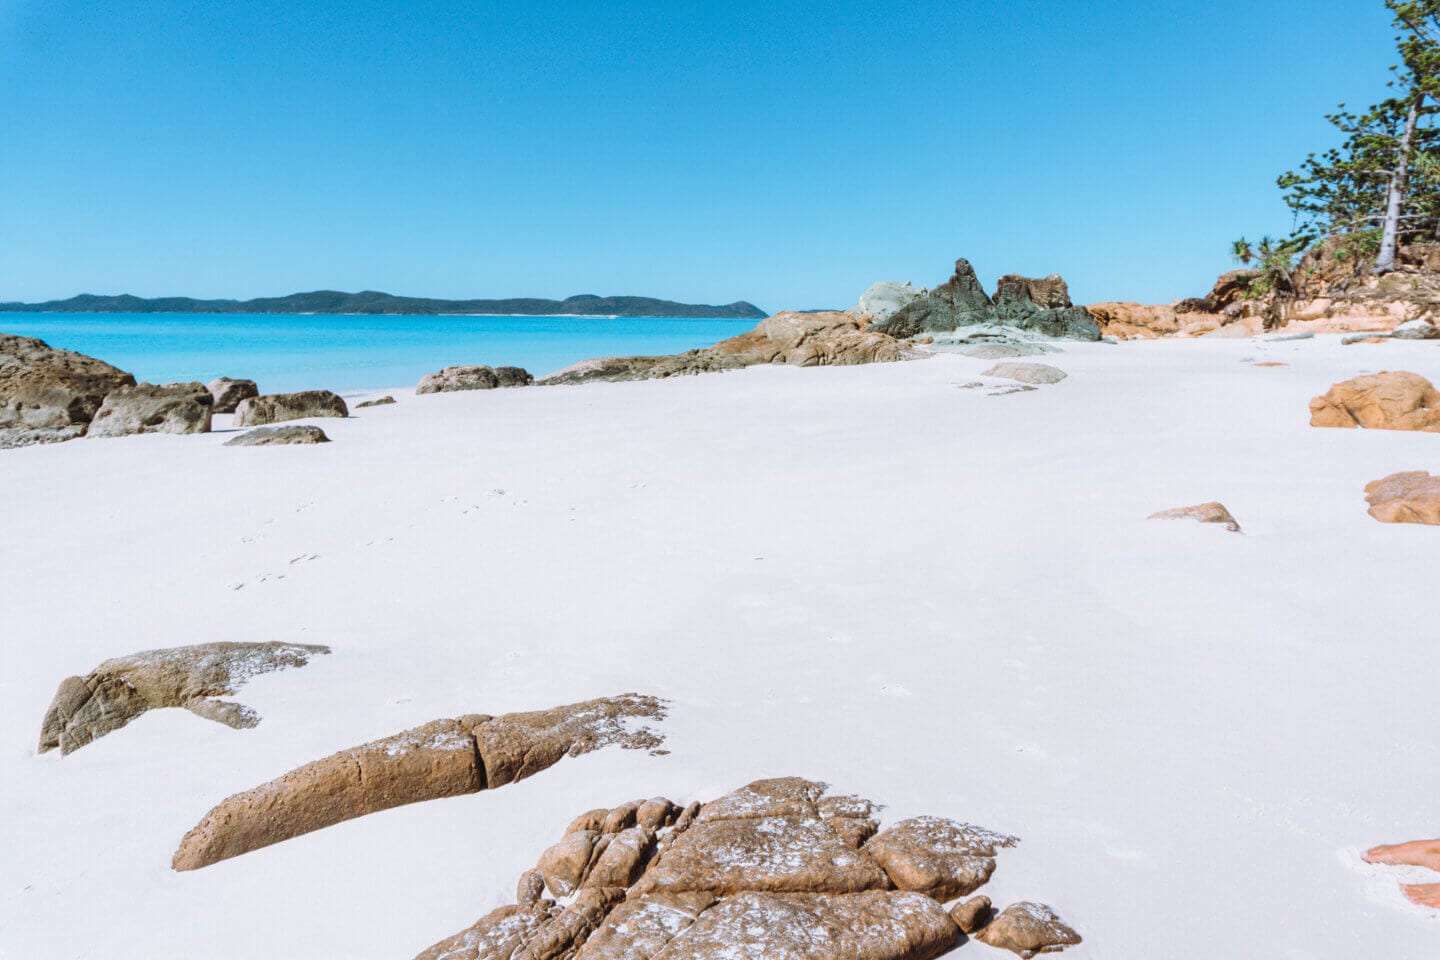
(1271, 261)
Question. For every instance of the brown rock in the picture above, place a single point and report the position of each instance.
(499, 935)
(940, 858)
(640, 929)
(228, 393)
(564, 865)
(530, 888)
(972, 914)
(656, 812)
(1272, 363)
(1379, 401)
(377, 402)
(621, 818)
(47, 394)
(518, 745)
(147, 408)
(623, 858)
(84, 709)
(279, 407)
(1411, 497)
(1212, 512)
(1028, 929)
(590, 820)
(779, 797)
(1135, 321)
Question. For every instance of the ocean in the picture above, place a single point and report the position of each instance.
(349, 353)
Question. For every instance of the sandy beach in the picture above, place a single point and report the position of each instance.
(873, 576)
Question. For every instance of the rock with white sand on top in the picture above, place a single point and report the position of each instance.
(276, 436)
(1032, 373)
(1389, 400)
(937, 857)
(1211, 512)
(279, 407)
(1410, 497)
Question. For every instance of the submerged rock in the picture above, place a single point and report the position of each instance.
(1380, 401)
(85, 709)
(1410, 497)
(147, 408)
(229, 392)
(49, 395)
(274, 436)
(279, 407)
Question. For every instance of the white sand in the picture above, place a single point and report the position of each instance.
(948, 602)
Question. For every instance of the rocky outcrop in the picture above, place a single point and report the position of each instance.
(377, 402)
(1379, 401)
(48, 395)
(86, 708)
(1182, 320)
(1038, 307)
(1028, 929)
(229, 392)
(279, 407)
(147, 408)
(883, 299)
(1212, 512)
(1034, 373)
(773, 870)
(452, 379)
(442, 758)
(796, 339)
(1410, 497)
(276, 436)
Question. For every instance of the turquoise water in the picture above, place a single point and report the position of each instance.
(284, 352)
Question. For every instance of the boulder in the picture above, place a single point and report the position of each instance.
(1032, 373)
(1379, 401)
(85, 709)
(279, 407)
(1415, 330)
(148, 408)
(442, 758)
(48, 395)
(882, 300)
(1410, 497)
(377, 402)
(513, 376)
(453, 379)
(229, 392)
(274, 436)
(1211, 512)
(937, 857)
(972, 914)
(1028, 929)
(958, 302)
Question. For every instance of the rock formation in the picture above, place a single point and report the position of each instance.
(86, 708)
(1035, 373)
(1379, 401)
(775, 870)
(453, 379)
(377, 402)
(881, 300)
(1028, 929)
(1410, 497)
(278, 407)
(1036, 307)
(443, 758)
(228, 393)
(274, 436)
(1212, 512)
(147, 408)
(48, 395)
(797, 339)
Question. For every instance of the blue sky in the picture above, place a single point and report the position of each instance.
(785, 153)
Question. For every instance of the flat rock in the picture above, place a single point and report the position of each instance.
(1032, 373)
(1410, 497)
(148, 408)
(475, 377)
(377, 402)
(86, 708)
(228, 393)
(274, 436)
(1379, 401)
(940, 858)
(49, 395)
(1028, 929)
(1211, 512)
(279, 407)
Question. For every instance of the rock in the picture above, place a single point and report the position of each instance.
(1410, 497)
(271, 436)
(958, 302)
(1006, 391)
(85, 709)
(49, 395)
(623, 858)
(147, 408)
(1135, 321)
(882, 300)
(1042, 307)
(1026, 372)
(452, 379)
(1364, 338)
(499, 935)
(1283, 338)
(656, 813)
(1028, 929)
(1271, 363)
(1379, 401)
(377, 402)
(972, 914)
(279, 407)
(641, 928)
(1212, 512)
(530, 888)
(939, 858)
(1415, 330)
(228, 393)
(442, 758)
(564, 865)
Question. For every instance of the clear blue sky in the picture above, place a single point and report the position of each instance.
(786, 153)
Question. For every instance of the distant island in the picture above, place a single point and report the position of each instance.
(374, 302)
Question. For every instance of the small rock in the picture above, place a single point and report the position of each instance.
(1415, 330)
(971, 915)
(478, 377)
(1026, 372)
(1272, 363)
(279, 407)
(272, 436)
(1290, 336)
(1410, 497)
(529, 888)
(377, 402)
(228, 393)
(1027, 929)
(1212, 512)
(147, 408)
(1364, 338)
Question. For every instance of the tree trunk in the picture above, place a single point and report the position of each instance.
(1395, 195)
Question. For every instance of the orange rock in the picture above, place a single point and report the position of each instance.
(1411, 497)
(1212, 512)
(1272, 363)
(1380, 401)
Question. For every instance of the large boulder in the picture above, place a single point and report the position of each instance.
(958, 302)
(279, 436)
(148, 408)
(86, 708)
(1379, 401)
(1410, 497)
(47, 394)
(478, 377)
(1027, 929)
(883, 300)
(278, 407)
(229, 392)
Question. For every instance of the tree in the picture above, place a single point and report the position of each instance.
(1386, 174)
